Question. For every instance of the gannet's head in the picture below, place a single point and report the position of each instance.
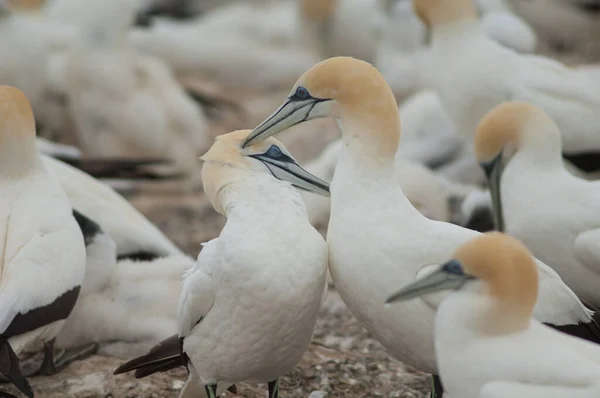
(440, 12)
(341, 87)
(226, 158)
(502, 132)
(18, 147)
(504, 265)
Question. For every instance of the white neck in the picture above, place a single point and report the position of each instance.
(18, 157)
(251, 196)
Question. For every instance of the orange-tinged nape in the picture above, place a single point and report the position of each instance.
(509, 270)
(507, 126)
(317, 10)
(440, 12)
(16, 115)
(362, 95)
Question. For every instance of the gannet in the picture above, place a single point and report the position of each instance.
(32, 47)
(249, 307)
(124, 103)
(486, 342)
(43, 252)
(125, 306)
(135, 236)
(376, 238)
(479, 74)
(556, 214)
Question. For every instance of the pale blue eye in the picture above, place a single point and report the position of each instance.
(302, 93)
(453, 267)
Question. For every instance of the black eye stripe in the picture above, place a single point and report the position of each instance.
(301, 94)
(453, 267)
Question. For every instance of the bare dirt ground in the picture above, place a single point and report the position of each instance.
(343, 360)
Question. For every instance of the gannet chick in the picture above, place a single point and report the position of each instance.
(487, 319)
(479, 74)
(369, 211)
(135, 236)
(125, 306)
(556, 214)
(123, 103)
(249, 307)
(43, 250)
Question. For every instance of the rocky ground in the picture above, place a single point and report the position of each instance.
(343, 360)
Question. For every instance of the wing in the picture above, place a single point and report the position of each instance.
(587, 249)
(197, 295)
(557, 304)
(509, 389)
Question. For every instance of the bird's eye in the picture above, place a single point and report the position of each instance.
(274, 152)
(453, 267)
(302, 93)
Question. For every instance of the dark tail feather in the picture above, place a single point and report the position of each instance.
(126, 168)
(160, 366)
(11, 369)
(167, 351)
(589, 331)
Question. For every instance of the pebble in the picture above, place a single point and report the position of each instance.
(317, 394)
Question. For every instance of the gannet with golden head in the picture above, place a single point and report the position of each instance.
(376, 237)
(487, 344)
(479, 74)
(556, 214)
(42, 251)
(249, 307)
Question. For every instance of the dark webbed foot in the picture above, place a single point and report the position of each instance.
(56, 360)
(211, 390)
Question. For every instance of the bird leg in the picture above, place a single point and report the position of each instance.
(54, 362)
(211, 390)
(10, 369)
(437, 390)
(274, 389)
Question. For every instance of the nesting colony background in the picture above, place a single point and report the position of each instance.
(158, 79)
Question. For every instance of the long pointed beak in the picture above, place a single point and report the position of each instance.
(293, 173)
(291, 113)
(493, 171)
(436, 281)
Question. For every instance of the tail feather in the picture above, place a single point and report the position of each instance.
(161, 366)
(589, 331)
(167, 351)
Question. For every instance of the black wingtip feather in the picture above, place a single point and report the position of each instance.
(167, 350)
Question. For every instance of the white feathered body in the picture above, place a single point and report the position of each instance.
(125, 104)
(43, 252)
(264, 278)
(557, 216)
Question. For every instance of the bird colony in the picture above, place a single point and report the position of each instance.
(446, 201)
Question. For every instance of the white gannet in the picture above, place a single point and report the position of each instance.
(42, 251)
(486, 342)
(136, 237)
(556, 214)
(123, 103)
(125, 306)
(479, 74)
(376, 237)
(501, 23)
(249, 307)
(32, 46)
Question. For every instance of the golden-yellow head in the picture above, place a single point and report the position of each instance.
(317, 10)
(226, 163)
(345, 88)
(440, 12)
